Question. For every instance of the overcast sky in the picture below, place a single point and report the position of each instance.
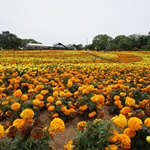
(74, 21)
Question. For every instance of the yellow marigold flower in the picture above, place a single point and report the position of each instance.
(68, 94)
(58, 102)
(57, 125)
(135, 124)
(15, 106)
(81, 125)
(19, 123)
(4, 103)
(125, 141)
(129, 101)
(27, 114)
(2, 131)
(94, 98)
(17, 93)
(123, 94)
(129, 132)
(147, 122)
(36, 102)
(55, 94)
(50, 99)
(101, 99)
(148, 139)
(39, 97)
(68, 146)
(120, 121)
(112, 147)
(44, 92)
(40, 87)
(61, 94)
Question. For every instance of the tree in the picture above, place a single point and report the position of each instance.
(9, 40)
(101, 41)
(123, 42)
(25, 41)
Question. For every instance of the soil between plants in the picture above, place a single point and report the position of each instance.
(62, 138)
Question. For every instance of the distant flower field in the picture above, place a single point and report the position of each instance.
(68, 84)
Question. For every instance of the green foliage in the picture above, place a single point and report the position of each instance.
(139, 140)
(94, 136)
(24, 143)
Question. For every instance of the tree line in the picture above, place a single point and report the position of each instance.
(11, 41)
(120, 42)
(100, 42)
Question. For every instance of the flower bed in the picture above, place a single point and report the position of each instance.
(69, 84)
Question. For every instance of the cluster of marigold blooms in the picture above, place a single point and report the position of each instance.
(119, 140)
(98, 81)
(28, 126)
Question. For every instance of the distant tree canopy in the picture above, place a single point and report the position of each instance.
(120, 42)
(11, 41)
(100, 42)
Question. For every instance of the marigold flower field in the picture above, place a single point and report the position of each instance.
(68, 84)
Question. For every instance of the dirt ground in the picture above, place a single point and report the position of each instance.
(70, 130)
(62, 138)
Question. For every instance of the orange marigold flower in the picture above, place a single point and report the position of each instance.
(36, 133)
(135, 124)
(117, 102)
(27, 114)
(125, 141)
(11, 131)
(83, 107)
(116, 97)
(92, 114)
(147, 122)
(51, 108)
(111, 147)
(125, 110)
(69, 84)
(67, 112)
(69, 145)
(39, 97)
(17, 93)
(15, 106)
(114, 137)
(55, 115)
(24, 97)
(129, 132)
